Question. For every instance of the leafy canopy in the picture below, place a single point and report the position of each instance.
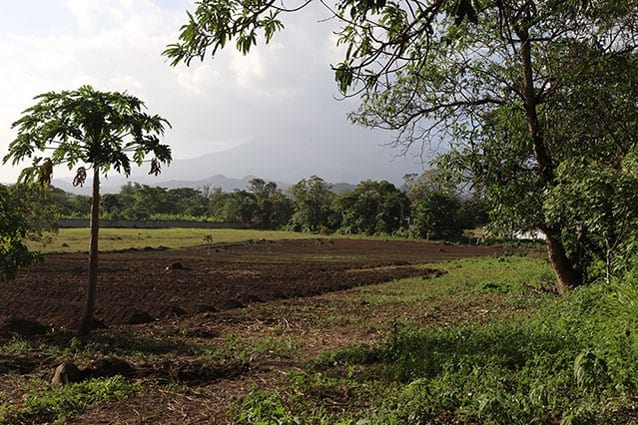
(380, 37)
(89, 127)
(536, 99)
(516, 87)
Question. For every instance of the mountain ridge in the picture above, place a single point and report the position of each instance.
(225, 184)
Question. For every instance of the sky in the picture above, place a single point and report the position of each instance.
(279, 99)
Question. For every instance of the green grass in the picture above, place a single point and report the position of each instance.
(77, 240)
(550, 360)
(45, 404)
(482, 343)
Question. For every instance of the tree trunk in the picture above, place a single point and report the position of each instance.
(567, 277)
(87, 319)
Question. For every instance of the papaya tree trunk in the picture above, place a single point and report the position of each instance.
(87, 319)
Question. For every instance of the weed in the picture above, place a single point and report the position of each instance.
(261, 407)
(61, 404)
(241, 349)
(16, 345)
(568, 363)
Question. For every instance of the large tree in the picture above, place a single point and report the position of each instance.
(517, 86)
(99, 130)
(313, 205)
(373, 207)
(533, 86)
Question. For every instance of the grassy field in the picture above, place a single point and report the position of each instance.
(77, 240)
(521, 356)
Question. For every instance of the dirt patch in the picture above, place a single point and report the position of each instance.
(137, 287)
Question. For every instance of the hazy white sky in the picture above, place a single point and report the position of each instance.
(280, 93)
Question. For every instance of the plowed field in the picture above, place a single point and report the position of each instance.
(138, 286)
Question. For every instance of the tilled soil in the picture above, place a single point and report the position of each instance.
(141, 286)
(167, 303)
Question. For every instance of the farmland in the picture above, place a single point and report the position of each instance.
(277, 330)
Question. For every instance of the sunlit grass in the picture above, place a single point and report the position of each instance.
(77, 240)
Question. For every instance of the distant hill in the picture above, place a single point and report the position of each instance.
(285, 164)
(226, 184)
(114, 183)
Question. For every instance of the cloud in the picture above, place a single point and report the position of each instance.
(80, 10)
(103, 14)
(198, 79)
(281, 93)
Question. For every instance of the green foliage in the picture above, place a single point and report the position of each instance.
(373, 208)
(548, 89)
(567, 362)
(599, 205)
(437, 207)
(437, 216)
(273, 210)
(90, 127)
(61, 404)
(262, 408)
(26, 214)
(313, 204)
(573, 362)
(223, 21)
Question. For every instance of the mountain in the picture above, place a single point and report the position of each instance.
(114, 183)
(284, 163)
(226, 184)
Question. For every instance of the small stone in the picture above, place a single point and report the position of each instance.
(65, 373)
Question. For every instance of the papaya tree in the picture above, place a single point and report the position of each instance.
(94, 131)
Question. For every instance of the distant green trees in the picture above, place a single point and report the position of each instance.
(426, 207)
(373, 207)
(314, 209)
(439, 208)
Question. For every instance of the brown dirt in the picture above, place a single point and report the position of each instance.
(250, 290)
(140, 286)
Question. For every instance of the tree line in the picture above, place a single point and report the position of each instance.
(426, 206)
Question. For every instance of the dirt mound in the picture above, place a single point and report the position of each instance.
(15, 325)
(139, 317)
(193, 372)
